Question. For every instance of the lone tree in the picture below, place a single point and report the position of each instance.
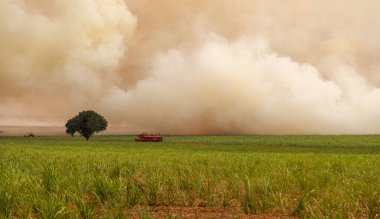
(86, 123)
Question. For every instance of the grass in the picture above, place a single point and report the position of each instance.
(114, 177)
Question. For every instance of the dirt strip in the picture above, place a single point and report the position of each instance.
(197, 212)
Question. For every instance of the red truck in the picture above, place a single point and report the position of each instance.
(148, 137)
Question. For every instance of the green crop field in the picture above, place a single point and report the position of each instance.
(190, 176)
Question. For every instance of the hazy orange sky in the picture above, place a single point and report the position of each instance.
(193, 66)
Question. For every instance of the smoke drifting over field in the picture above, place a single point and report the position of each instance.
(193, 66)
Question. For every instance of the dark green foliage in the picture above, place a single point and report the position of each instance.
(71, 127)
(86, 123)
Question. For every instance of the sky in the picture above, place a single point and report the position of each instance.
(193, 66)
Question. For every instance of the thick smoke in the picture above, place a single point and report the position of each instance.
(58, 57)
(194, 66)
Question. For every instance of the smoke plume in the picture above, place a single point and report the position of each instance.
(193, 66)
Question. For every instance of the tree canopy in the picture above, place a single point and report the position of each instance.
(86, 123)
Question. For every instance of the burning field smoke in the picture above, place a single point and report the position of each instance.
(193, 66)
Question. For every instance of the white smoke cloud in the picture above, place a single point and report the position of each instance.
(194, 67)
(59, 62)
(243, 87)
